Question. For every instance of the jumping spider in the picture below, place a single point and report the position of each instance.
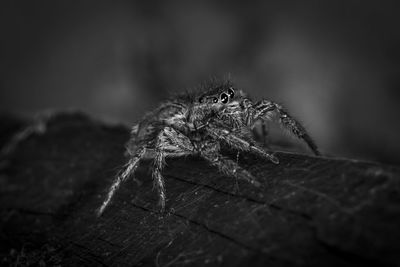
(198, 123)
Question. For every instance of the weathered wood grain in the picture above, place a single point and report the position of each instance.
(310, 211)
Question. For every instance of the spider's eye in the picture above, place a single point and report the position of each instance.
(230, 92)
(224, 98)
(201, 99)
(215, 100)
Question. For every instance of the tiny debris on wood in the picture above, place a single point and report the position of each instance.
(310, 211)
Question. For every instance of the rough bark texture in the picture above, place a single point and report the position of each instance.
(310, 212)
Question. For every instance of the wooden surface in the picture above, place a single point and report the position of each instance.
(310, 212)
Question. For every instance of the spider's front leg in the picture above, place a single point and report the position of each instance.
(267, 110)
(239, 142)
(209, 150)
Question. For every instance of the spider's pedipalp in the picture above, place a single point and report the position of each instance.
(129, 169)
(267, 110)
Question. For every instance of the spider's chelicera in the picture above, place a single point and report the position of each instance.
(198, 123)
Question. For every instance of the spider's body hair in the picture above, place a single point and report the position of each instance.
(197, 122)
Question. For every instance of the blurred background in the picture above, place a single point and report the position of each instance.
(334, 64)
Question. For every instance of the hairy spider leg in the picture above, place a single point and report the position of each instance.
(158, 165)
(239, 143)
(224, 164)
(169, 143)
(128, 169)
(261, 134)
(267, 110)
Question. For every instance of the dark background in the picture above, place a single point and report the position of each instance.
(335, 65)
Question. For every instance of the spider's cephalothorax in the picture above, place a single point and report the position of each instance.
(197, 123)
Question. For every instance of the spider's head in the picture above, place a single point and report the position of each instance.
(218, 96)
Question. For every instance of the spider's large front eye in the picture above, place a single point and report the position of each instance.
(230, 92)
(224, 98)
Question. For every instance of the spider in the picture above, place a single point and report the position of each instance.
(199, 122)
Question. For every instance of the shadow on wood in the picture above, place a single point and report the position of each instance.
(310, 211)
